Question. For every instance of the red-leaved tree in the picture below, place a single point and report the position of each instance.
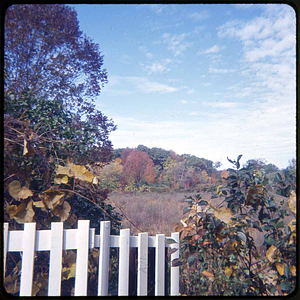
(137, 166)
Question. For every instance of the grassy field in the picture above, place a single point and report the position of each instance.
(154, 212)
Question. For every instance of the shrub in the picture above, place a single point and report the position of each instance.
(219, 252)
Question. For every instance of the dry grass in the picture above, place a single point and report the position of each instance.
(158, 212)
(152, 212)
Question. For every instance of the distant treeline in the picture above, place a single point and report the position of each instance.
(145, 169)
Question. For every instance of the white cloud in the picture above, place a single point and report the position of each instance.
(197, 16)
(183, 102)
(176, 43)
(199, 29)
(221, 104)
(190, 91)
(155, 68)
(221, 71)
(135, 84)
(272, 35)
(145, 51)
(145, 85)
(213, 49)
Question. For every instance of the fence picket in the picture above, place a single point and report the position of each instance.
(123, 281)
(55, 264)
(104, 258)
(142, 272)
(174, 289)
(30, 240)
(27, 259)
(5, 246)
(160, 265)
(81, 273)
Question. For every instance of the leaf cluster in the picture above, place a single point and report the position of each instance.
(220, 254)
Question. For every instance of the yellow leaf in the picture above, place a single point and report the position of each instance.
(292, 238)
(207, 274)
(280, 267)
(60, 170)
(14, 188)
(292, 202)
(26, 215)
(18, 192)
(218, 189)
(25, 193)
(13, 210)
(228, 271)
(39, 204)
(224, 214)
(80, 172)
(292, 226)
(61, 179)
(63, 211)
(293, 270)
(271, 252)
(51, 198)
(68, 272)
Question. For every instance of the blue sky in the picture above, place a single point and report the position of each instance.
(210, 80)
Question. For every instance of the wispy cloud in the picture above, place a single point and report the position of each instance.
(213, 49)
(126, 85)
(198, 16)
(271, 36)
(159, 67)
(155, 68)
(220, 104)
(221, 71)
(145, 51)
(176, 43)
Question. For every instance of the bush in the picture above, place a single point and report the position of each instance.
(219, 250)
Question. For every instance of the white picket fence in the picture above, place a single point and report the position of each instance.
(82, 239)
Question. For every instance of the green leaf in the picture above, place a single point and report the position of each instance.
(191, 260)
(286, 271)
(176, 262)
(267, 227)
(170, 241)
(242, 236)
(285, 285)
(278, 177)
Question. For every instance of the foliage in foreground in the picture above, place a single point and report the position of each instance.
(219, 254)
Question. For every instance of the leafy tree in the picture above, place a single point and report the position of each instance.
(46, 55)
(110, 176)
(255, 163)
(138, 165)
(52, 131)
(270, 168)
(199, 164)
(158, 155)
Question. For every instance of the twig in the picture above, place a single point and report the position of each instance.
(65, 190)
(125, 215)
(13, 142)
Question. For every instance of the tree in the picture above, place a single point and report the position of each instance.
(138, 166)
(270, 168)
(255, 163)
(48, 54)
(51, 128)
(47, 57)
(110, 175)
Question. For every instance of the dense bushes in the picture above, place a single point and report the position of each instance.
(219, 247)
